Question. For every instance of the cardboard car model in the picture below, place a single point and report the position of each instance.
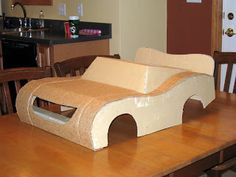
(153, 90)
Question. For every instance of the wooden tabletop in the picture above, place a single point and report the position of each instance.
(26, 151)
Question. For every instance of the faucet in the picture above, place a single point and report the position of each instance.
(23, 9)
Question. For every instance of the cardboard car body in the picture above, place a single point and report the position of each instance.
(153, 95)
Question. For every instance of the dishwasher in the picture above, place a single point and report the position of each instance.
(18, 54)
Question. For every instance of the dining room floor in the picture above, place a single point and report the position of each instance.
(228, 173)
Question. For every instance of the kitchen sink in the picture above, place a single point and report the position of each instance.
(11, 30)
(18, 30)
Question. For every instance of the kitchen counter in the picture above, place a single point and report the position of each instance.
(50, 37)
(54, 33)
(53, 45)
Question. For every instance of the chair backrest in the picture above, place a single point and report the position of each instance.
(227, 59)
(72, 66)
(11, 80)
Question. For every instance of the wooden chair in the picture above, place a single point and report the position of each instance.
(228, 58)
(70, 66)
(220, 58)
(11, 80)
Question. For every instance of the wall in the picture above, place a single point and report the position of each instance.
(142, 24)
(51, 12)
(135, 23)
(106, 11)
(189, 27)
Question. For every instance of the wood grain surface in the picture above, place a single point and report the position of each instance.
(28, 151)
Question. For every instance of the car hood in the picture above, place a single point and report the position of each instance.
(73, 91)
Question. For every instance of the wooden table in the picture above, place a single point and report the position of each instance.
(207, 137)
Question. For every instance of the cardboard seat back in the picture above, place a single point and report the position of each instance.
(132, 76)
(194, 62)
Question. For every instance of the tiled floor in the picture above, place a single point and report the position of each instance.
(226, 174)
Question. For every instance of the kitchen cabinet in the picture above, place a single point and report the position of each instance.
(35, 2)
(47, 55)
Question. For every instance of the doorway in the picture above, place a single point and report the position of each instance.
(189, 27)
(228, 36)
(194, 27)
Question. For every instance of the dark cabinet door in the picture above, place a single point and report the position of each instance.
(35, 2)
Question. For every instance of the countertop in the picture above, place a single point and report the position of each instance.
(54, 33)
(49, 37)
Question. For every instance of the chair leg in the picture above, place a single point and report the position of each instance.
(1, 99)
(234, 168)
(219, 169)
(3, 107)
(213, 173)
